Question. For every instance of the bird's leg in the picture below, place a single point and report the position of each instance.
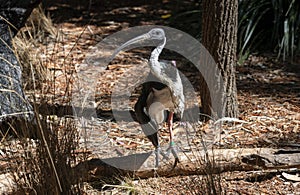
(172, 147)
(155, 142)
(157, 153)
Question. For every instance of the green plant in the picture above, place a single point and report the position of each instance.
(250, 15)
(269, 25)
(290, 38)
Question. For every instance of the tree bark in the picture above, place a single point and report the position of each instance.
(219, 37)
(191, 163)
(13, 14)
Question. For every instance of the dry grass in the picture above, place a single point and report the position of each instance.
(40, 155)
(43, 165)
(210, 182)
(38, 29)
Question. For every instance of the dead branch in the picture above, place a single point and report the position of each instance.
(191, 163)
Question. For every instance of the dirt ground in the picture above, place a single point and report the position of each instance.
(268, 90)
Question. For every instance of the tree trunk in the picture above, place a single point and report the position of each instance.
(13, 14)
(219, 37)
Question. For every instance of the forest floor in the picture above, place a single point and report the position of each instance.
(268, 91)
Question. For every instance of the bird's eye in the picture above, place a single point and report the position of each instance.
(156, 33)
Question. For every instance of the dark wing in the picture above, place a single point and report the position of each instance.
(149, 127)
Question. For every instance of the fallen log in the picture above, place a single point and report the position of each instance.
(199, 162)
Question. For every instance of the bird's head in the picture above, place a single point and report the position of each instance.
(153, 34)
(156, 33)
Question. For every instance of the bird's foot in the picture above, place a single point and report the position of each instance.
(183, 124)
(173, 149)
(158, 152)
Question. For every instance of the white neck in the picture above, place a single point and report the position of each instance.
(154, 63)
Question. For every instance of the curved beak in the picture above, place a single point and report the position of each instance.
(130, 42)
